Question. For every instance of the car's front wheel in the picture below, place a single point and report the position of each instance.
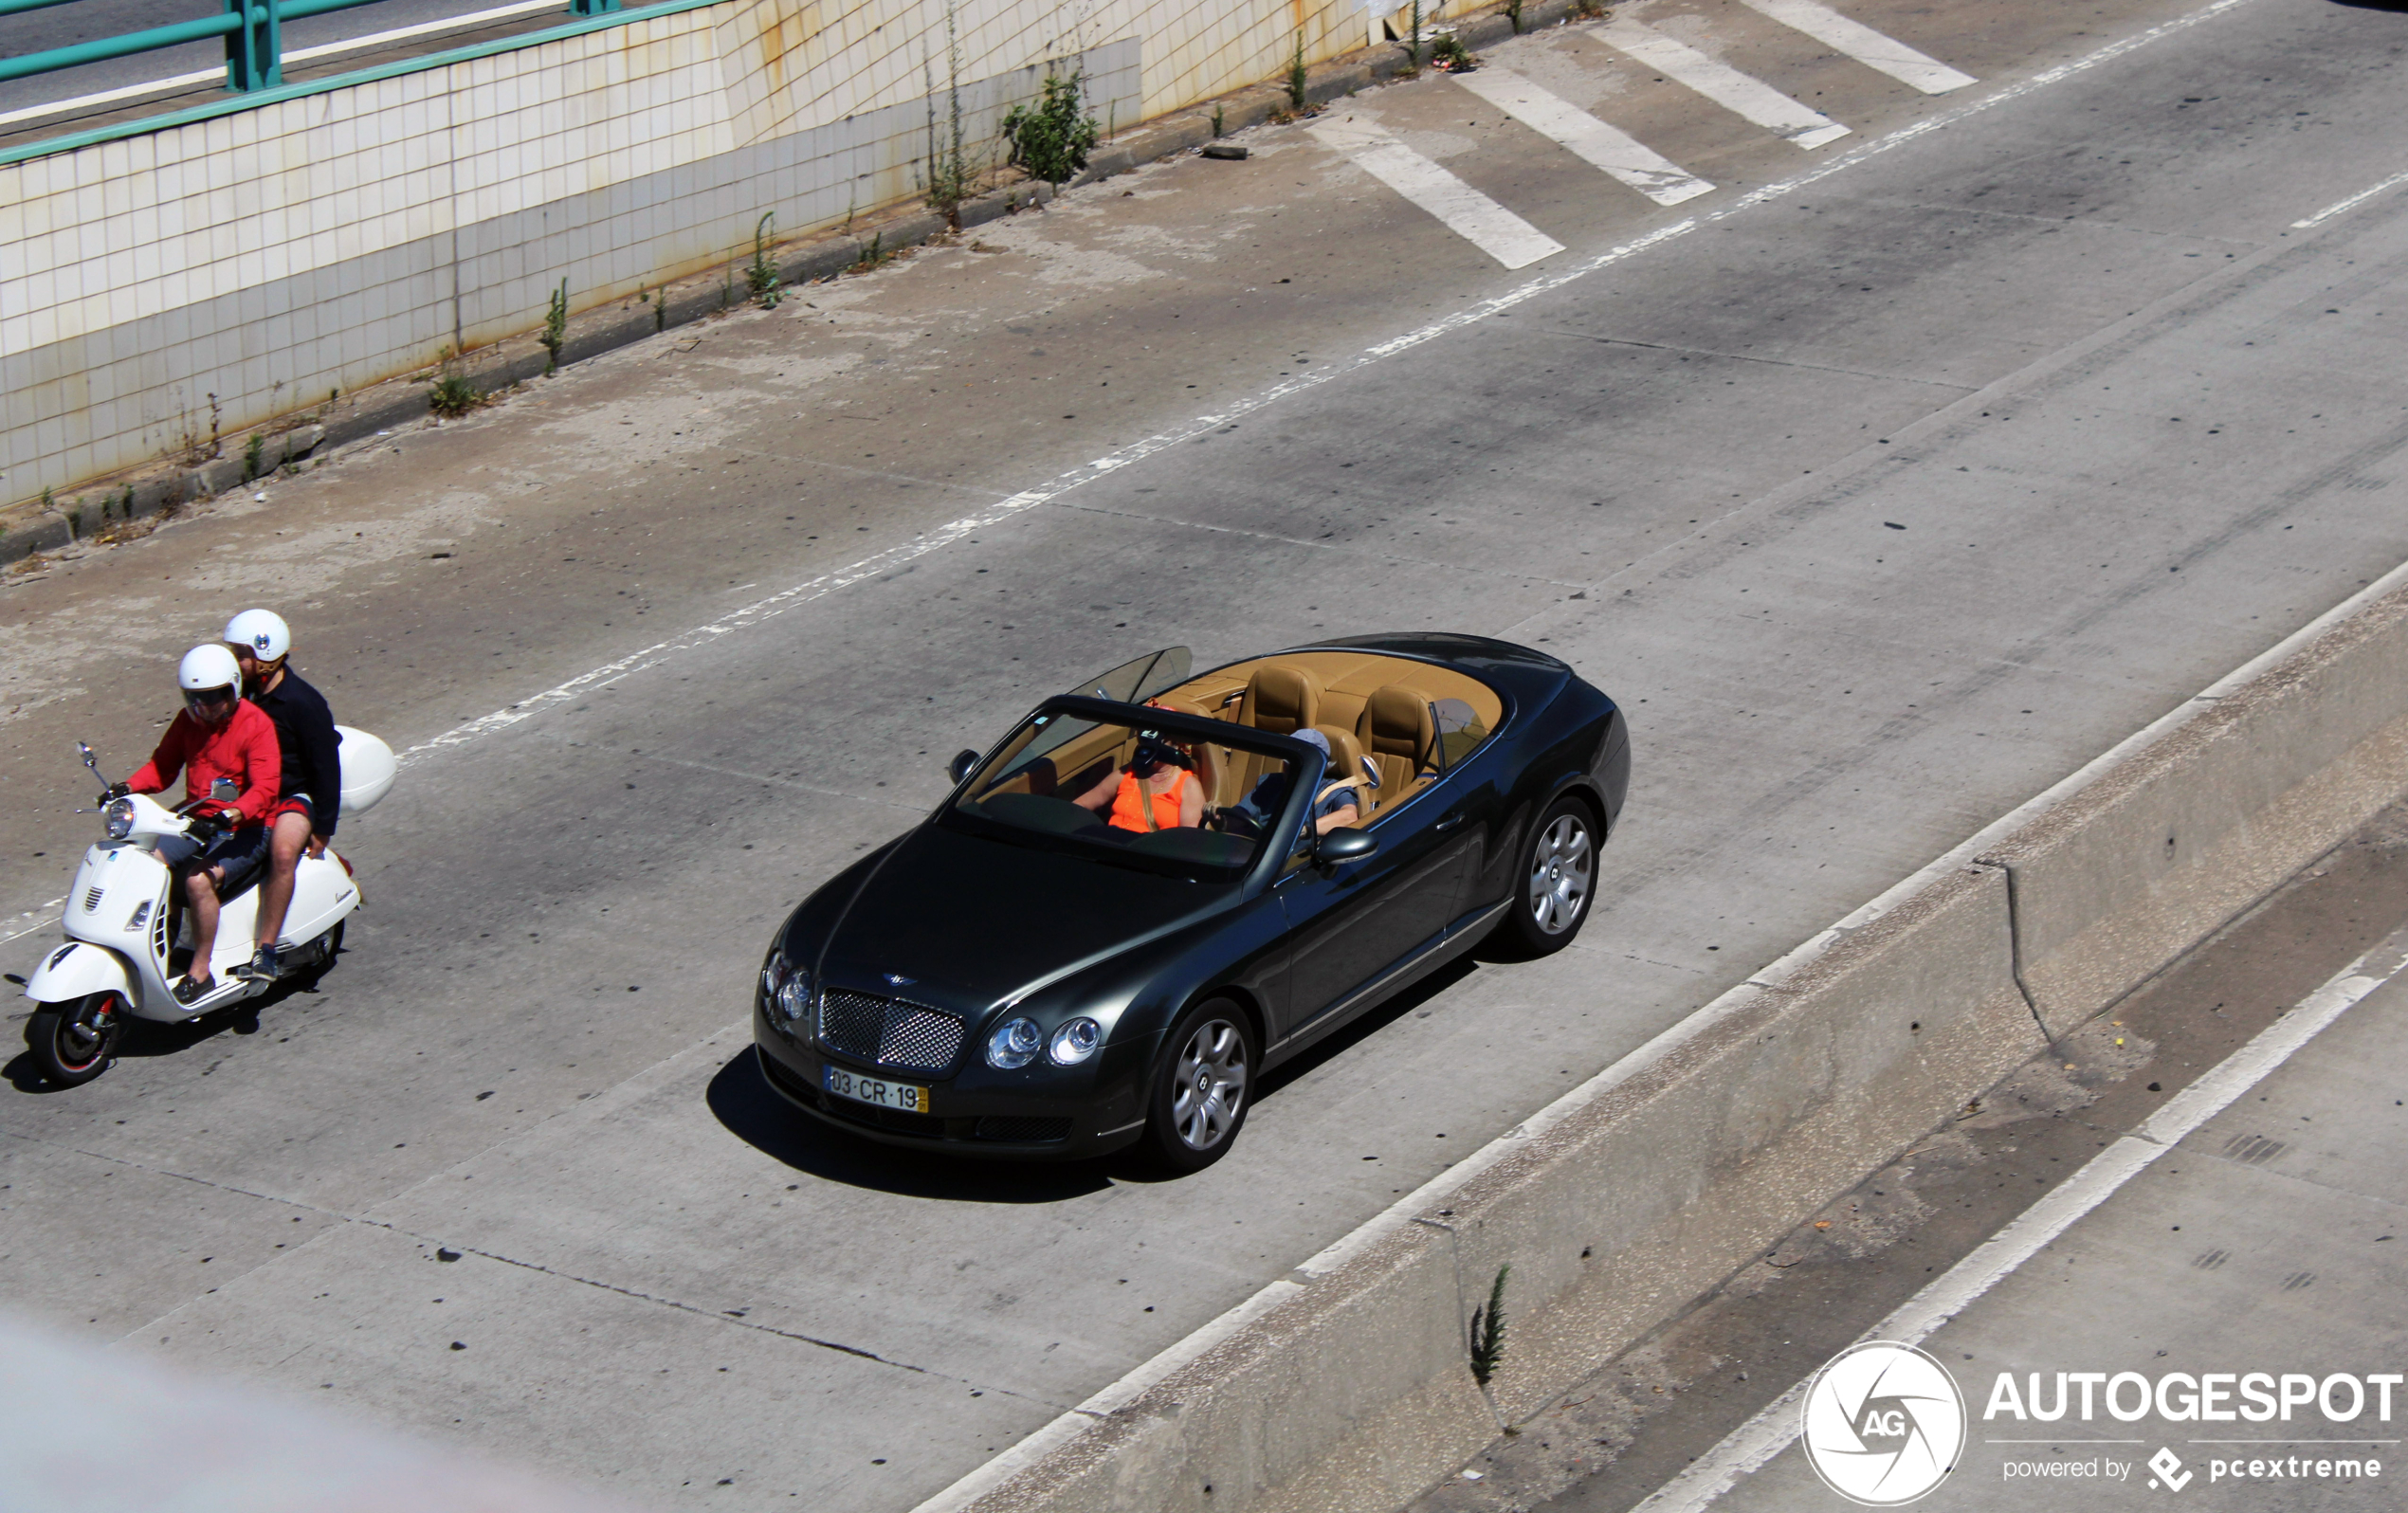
(1559, 875)
(1203, 1087)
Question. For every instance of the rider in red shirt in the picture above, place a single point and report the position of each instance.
(220, 735)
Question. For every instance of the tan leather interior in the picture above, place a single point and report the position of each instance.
(1280, 700)
(1346, 762)
(1396, 732)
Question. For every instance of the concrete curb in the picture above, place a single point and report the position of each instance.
(402, 401)
(1345, 1388)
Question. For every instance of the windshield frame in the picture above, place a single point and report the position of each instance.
(1279, 839)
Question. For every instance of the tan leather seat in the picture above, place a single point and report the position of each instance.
(1280, 699)
(1346, 762)
(1212, 764)
(1397, 733)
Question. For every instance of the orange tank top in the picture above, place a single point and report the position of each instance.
(1128, 805)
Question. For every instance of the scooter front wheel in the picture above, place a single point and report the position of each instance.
(73, 1043)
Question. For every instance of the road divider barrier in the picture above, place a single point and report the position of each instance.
(1347, 1387)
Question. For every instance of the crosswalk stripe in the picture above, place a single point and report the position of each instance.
(1862, 43)
(1604, 146)
(1750, 98)
(1468, 214)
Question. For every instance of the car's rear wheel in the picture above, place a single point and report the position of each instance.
(1203, 1087)
(1558, 878)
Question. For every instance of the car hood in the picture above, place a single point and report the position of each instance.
(974, 923)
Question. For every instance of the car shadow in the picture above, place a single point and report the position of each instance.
(2373, 4)
(741, 1099)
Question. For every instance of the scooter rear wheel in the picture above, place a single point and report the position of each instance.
(73, 1043)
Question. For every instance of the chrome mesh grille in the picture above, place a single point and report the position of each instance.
(888, 1031)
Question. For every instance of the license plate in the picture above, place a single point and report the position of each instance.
(870, 1090)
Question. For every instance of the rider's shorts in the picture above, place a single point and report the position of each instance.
(293, 804)
(241, 853)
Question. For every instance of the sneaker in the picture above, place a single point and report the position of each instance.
(261, 967)
(188, 991)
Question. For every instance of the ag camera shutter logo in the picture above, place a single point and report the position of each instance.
(1883, 1424)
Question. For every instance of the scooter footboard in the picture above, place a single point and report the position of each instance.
(78, 970)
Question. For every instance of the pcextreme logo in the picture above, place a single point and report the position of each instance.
(1883, 1424)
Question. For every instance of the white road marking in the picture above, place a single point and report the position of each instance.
(2350, 204)
(1750, 1446)
(378, 39)
(1856, 40)
(920, 546)
(1468, 214)
(1592, 140)
(1750, 97)
(32, 919)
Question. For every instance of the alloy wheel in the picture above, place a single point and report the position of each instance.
(1560, 868)
(1208, 1086)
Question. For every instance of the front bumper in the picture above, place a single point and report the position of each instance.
(991, 1124)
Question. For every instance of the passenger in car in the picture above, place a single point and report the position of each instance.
(1157, 791)
(1341, 800)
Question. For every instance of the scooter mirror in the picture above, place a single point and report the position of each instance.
(225, 790)
(89, 760)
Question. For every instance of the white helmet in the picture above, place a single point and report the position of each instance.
(264, 631)
(207, 668)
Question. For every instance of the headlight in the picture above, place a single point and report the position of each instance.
(1075, 1042)
(117, 819)
(785, 986)
(793, 1000)
(1014, 1045)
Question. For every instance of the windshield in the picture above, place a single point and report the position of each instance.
(1121, 792)
(1132, 682)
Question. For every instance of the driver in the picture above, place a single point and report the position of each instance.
(311, 795)
(219, 735)
(1157, 791)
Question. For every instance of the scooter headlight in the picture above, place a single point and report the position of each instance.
(117, 819)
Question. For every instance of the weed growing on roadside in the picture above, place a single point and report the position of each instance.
(252, 457)
(452, 394)
(1587, 9)
(1488, 1332)
(75, 520)
(872, 255)
(1413, 48)
(1216, 122)
(949, 174)
(1296, 74)
(1513, 15)
(762, 277)
(1052, 140)
(1449, 54)
(555, 328)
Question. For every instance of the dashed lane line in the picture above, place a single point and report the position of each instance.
(2343, 206)
(1853, 39)
(968, 527)
(1595, 142)
(1465, 212)
(1748, 98)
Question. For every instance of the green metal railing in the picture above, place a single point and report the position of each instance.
(252, 29)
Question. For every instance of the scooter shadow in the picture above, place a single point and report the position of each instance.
(145, 1039)
(741, 1099)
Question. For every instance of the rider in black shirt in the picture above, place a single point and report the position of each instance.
(307, 811)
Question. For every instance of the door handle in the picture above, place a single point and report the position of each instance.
(1448, 824)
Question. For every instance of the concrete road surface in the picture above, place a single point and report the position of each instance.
(2022, 413)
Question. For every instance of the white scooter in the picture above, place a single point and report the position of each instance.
(116, 962)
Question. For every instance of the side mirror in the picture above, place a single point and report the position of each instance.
(1344, 845)
(961, 765)
(225, 790)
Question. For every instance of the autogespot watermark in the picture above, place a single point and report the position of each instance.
(1883, 1424)
(2297, 1407)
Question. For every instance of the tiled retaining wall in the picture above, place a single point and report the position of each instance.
(321, 242)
